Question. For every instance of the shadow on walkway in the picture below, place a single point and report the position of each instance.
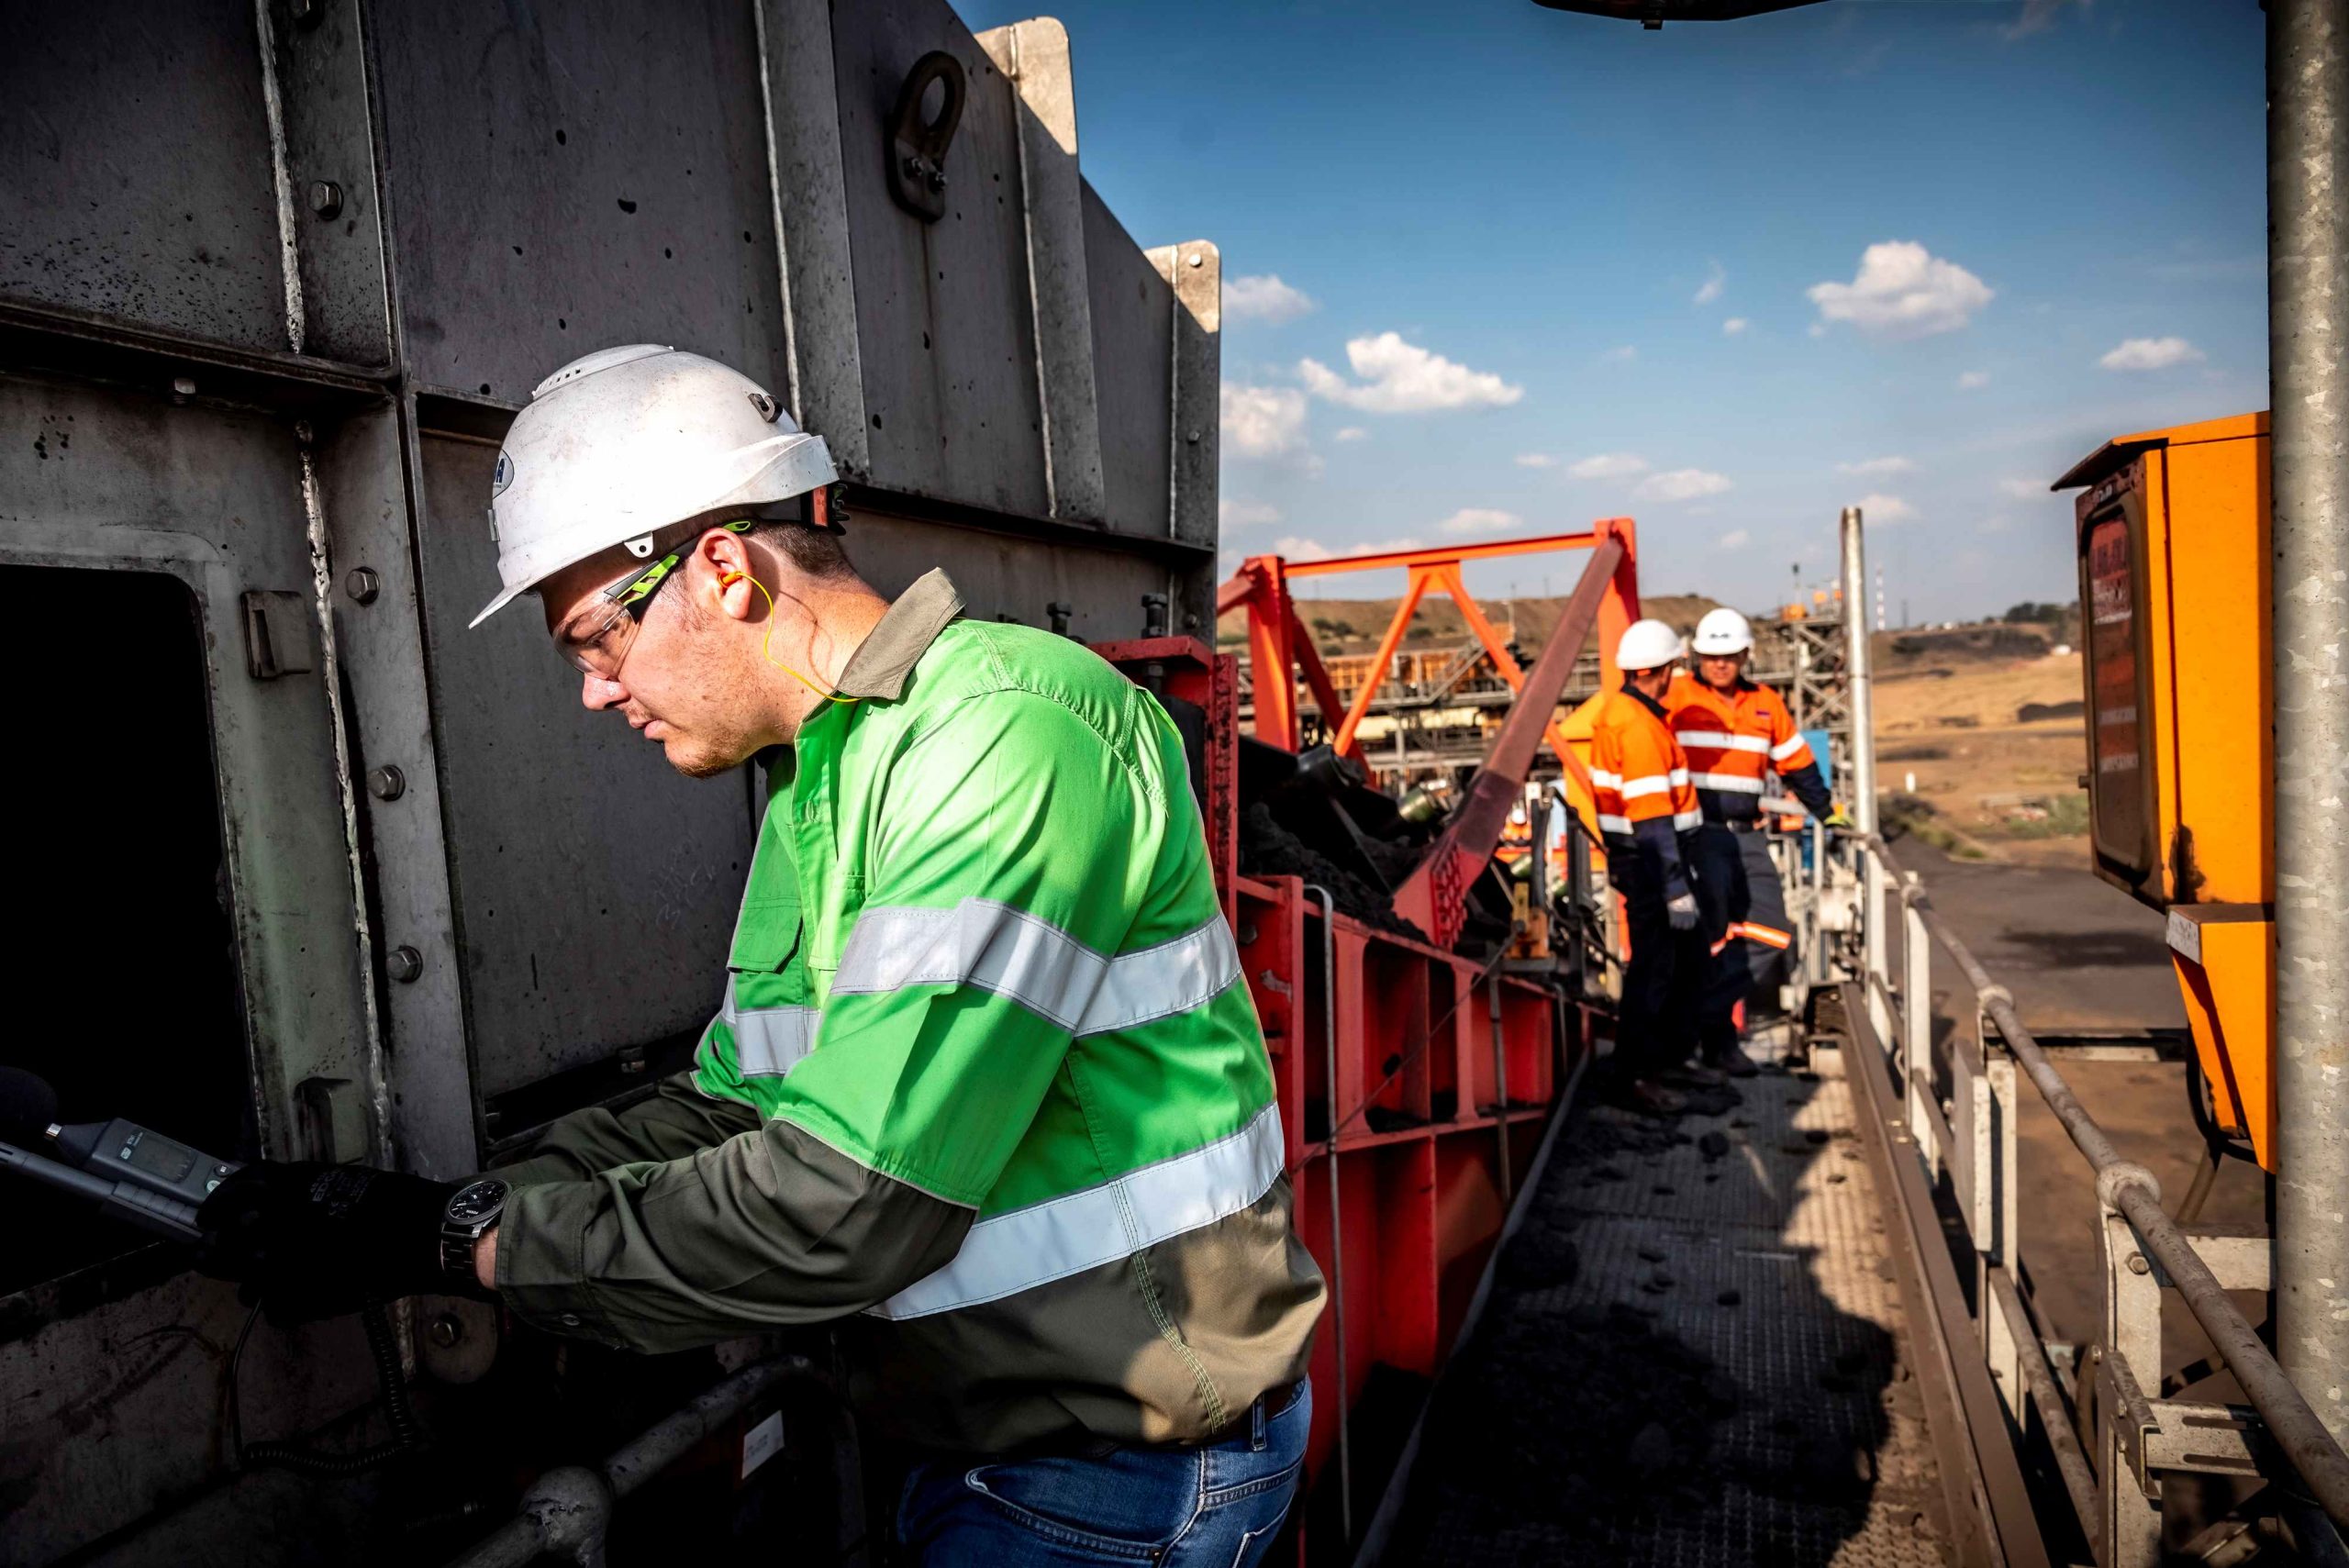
(1692, 1354)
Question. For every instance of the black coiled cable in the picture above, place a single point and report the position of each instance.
(407, 1432)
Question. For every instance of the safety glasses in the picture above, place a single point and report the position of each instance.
(600, 643)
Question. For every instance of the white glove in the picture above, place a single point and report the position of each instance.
(1682, 912)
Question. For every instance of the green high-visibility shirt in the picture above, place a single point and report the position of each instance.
(986, 1086)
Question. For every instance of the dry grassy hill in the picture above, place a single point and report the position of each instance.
(1988, 722)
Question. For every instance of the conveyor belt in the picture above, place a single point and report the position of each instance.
(1695, 1353)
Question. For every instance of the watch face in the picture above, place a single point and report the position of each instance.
(476, 1201)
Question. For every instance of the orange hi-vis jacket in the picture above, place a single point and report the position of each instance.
(1733, 739)
(1640, 783)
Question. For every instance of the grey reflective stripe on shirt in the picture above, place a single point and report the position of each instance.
(1720, 739)
(993, 947)
(1727, 784)
(770, 1041)
(1007, 1253)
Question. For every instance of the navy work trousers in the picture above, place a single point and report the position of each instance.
(1656, 1027)
(1744, 924)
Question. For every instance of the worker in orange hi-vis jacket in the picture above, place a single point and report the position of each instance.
(1646, 805)
(1734, 733)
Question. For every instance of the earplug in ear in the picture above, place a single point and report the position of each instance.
(766, 644)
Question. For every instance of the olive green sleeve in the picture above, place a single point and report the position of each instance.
(771, 1228)
(676, 1121)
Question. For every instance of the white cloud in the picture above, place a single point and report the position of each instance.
(1885, 509)
(1622, 355)
(1351, 433)
(2151, 354)
(1264, 297)
(1877, 465)
(1536, 459)
(1262, 421)
(1680, 485)
(2022, 489)
(1902, 290)
(1973, 380)
(1716, 279)
(1609, 465)
(1481, 521)
(1403, 378)
(1736, 538)
(1236, 514)
(1996, 524)
(2037, 15)
(1733, 326)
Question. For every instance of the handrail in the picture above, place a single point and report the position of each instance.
(2132, 1189)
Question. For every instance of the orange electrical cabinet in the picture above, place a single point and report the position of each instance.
(2172, 535)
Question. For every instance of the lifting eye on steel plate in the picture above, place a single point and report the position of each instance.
(915, 148)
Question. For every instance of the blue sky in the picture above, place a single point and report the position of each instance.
(1723, 278)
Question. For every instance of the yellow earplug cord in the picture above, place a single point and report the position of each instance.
(766, 644)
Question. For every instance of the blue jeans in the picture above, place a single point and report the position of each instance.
(1217, 1506)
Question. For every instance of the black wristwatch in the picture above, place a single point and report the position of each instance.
(471, 1212)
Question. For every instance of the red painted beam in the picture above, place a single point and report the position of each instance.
(1432, 896)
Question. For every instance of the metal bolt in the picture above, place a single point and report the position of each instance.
(326, 198)
(1192, 437)
(405, 963)
(387, 783)
(361, 583)
(2138, 1265)
(445, 1330)
(936, 180)
(183, 388)
(1197, 260)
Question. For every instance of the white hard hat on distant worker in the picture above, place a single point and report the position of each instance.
(1646, 644)
(617, 446)
(1723, 632)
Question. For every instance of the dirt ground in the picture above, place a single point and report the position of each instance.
(1994, 747)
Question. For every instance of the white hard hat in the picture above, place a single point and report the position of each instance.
(1646, 644)
(1723, 632)
(615, 447)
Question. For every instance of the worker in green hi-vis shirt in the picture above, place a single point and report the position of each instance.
(984, 1088)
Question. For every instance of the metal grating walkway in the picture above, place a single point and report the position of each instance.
(1694, 1353)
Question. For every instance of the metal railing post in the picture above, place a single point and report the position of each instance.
(1814, 952)
(1917, 1025)
(2308, 330)
(2128, 1351)
(1862, 710)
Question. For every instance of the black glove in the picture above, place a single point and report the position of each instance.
(316, 1240)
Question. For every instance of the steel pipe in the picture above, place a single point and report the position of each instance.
(2308, 333)
(1861, 704)
(568, 1510)
(2047, 1398)
(2292, 1424)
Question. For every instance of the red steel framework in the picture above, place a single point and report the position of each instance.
(1401, 1068)
(1279, 648)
